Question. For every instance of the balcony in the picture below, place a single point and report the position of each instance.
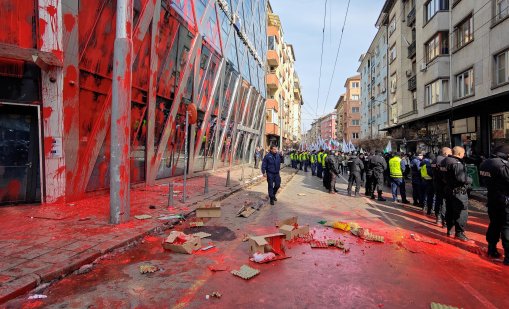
(272, 81)
(272, 104)
(411, 50)
(410, 19)
(272, 58)
(272, 129)
(412, 83)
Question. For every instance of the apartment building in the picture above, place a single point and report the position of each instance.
(339, 116)
(448, 73)
(373, 70)
(328, 126)
(351, 106)
(284, 100)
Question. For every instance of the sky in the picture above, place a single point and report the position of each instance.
(302, 22)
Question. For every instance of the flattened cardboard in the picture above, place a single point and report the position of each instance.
(289, 221)
(245, 211)
(209, 210)
(202, 234)
(193, 244)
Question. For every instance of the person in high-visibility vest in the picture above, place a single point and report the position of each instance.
(326, 174)
(312, 161)
(396, 170)
(306, 161)
(300, 158)
(292, 158)
(319, 161)
(427, 192)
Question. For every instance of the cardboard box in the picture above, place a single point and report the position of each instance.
(269, 243)
(291, 229)
(209, 210)
(245, 211)
(181, 243)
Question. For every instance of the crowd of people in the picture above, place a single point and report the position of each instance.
(440, 184)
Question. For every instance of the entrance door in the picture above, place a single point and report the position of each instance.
(19, 155)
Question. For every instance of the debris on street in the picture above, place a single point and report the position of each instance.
(208, 248)
(441, 306)
(148, 269)
(209, 210)
(143, 217)
(179, 242)
(291, 228)
(301, 194)
(202, 234)
(245, 211)
(367, 235)
(37, 296)
(245, 272)
(263, 257)
(274, 243)
(216, 294)
(171, 217)
(217, 267)
(196, 223)
(425, 240)
(84, 269)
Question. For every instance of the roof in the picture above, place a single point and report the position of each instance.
(355, 77)
(340, 100)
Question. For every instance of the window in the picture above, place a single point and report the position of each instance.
(501, 9)
(434, 6)
(392, 53)
(502, 68)
(355, 135)
(272, 116)
(355, 84)
(272, 43)
(438, 45)
(497, 122)
(355, 122)
(392, 25)
(355, 97)
(437, 91)
(464, 32)
(394, 83)
(465, 84)
(355, 110)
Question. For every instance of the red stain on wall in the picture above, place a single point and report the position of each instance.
(69, 22)
(48, 144)
(68, 114)
(46, 112)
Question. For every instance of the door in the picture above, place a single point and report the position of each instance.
(19, 154)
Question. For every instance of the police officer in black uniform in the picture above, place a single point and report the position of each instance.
(271, 165)
(379, 166)
(355, 166)
(456, 185)
(495, 173)
(438, 185)
(331, 165)
(368, 168)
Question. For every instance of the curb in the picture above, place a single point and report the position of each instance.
(25, 284)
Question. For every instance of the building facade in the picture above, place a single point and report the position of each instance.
(351, 110)
(56, 60)
(328, 126)
(339, 116)
(283, 113)
(373, 70)
(448, 73)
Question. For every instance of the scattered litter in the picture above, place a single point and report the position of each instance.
(218, 267)
(196, 223)
(245, 211)
(216, 294)
(274, 243)
(291, 228)
(441, 306)
(148, 269)
(181, 243)
(419, 239)
(318, 244)
(301, 194)
(143, 217)
(263, 257)
(209, 210)
(367, 235)
(245, 272)
(152, 207)
(202, 234)
(37, 296)
(84, 269)
(208, 248)
(171, 217)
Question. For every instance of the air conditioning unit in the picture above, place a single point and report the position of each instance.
(409, 73)
(424, 67)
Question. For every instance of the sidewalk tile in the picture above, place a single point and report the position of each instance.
(56, 256)
(26, 268)
(17, 287)
(10, 262)
(32, 252)
(80, 246)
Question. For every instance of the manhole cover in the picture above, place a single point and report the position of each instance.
(218, 233)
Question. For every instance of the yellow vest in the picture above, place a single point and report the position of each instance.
(319, 157)
(323, 159)
(395, 167)
(424, 172)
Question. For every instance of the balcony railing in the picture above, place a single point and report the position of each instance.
(411, 50)
(412, 83)
(410, 20)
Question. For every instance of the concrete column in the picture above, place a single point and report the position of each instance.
(121, 115)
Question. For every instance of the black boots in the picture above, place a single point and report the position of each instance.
(272, 201)
(380, 197)
(492, 251)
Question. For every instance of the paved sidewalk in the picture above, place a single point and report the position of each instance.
(44, 242)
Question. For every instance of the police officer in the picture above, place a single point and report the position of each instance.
(355, 166)
(396, 172)
(378, 166)
(326, 174)
(306, 160)
(438, 185)
(319, 166)
(427, 192)
(456, 185)
(331, 165)
(368, 167)
(270, 169)
(415, 166)
(495, 173)
(312, 160)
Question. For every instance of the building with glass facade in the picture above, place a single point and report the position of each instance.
(56, 62)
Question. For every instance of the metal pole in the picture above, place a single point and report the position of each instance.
(186, 136)
(206, 189)
(121, 115)
(171, 192)
(228, 178)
